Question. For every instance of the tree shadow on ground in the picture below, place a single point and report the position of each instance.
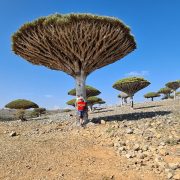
(100, 111)
(131, 116)
(146, 107)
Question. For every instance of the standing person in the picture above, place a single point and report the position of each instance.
(81, 107)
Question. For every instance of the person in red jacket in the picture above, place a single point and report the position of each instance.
(81, 107)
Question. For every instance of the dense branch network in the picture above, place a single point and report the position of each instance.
(73, 43)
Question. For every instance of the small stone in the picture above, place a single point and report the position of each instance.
(136, 147)
(121, 148)
(177, 176)
(103, 122)
(129, 131)
(145, 148)
(13, 133)
(173, 166)
(128, 156)
(169, 175)
(163, 152)
(162, 144)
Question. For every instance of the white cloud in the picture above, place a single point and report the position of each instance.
(137, 73)
(48, 95)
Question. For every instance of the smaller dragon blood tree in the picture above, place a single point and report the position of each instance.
(130, 86)
(92, 101)
(123, 97)
(166, 91)
(174, 85)
(21, 105)
(90, 91)
(151, 95)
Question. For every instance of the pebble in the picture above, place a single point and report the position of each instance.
(13, 133)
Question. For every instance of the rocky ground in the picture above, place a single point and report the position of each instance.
(119, 143)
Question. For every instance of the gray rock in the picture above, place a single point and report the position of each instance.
(169, 175)
(136, 147)
(13, 133)
(129, 131)
(176, 176)
(173, 166)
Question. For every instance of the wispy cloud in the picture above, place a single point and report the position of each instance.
(138, 73)
(48, 95)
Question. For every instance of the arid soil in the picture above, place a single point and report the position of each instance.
(119, 143)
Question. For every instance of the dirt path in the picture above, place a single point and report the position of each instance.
(67, 155)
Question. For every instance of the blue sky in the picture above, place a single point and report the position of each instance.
(154, 23)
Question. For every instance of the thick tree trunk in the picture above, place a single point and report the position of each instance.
(91, 107)
(132, 102)
(152, 99)
(174, 94)
(81, 91)
(121, 101)
(80, 85)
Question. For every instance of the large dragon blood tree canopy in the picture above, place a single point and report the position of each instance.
(77, 44)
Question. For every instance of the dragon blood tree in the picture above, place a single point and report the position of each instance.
(166, 91)
(151, 95)
(174, 85)
(77, 44)
(92, 101)
(21, 105)
(90, 91)
(123, 97)
(131, 85)
(71, 102)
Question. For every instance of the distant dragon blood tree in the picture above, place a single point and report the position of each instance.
(166, 91)
(151, 95)
(71, 102)
(90, 91)
(77, 44)
(21, 105)
(131, 85)
(174, 85)
(93, 100)
(90, 101)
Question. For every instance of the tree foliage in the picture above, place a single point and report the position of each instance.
(93, 100)
(71, 102)
(21, 104)
(173, 85)
(123, 95)
(151, 95)
(90, 91)
(165, 91)
(74, 42)
(131, 85)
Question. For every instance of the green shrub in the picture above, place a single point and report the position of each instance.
(37, 112)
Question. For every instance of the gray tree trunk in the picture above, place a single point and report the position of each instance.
(121, 101)
(174, 94)
(132, 102)
(81, 91)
